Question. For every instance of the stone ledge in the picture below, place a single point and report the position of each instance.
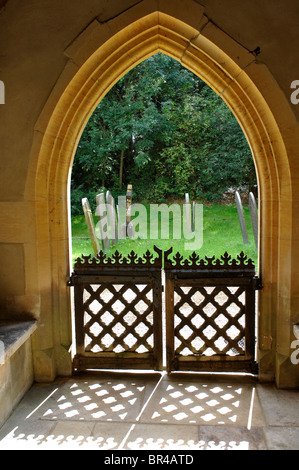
(13, 334)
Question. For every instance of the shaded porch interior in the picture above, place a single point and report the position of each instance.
(142, 411)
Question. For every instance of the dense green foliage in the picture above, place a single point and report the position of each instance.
(162, 129)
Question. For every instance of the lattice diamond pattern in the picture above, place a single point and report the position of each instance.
(209, 321)
(118, 318)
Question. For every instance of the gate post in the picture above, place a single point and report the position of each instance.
(169, 315)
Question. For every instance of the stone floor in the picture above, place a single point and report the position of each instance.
(125, 411)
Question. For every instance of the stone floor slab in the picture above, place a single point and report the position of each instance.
(27, 435)
(282, 438)
(116, 411)
(67, 435)
(107, 399)
(162, 437)
(111, 436)
(281, 407)
(231, 438)
(177, 401)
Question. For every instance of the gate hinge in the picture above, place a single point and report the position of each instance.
(254, 368)
(70, 281)
(257, 283)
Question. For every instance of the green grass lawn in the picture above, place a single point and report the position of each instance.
(221, 233)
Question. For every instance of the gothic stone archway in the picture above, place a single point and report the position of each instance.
(97, 59)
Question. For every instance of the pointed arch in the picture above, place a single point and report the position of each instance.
(96, 60)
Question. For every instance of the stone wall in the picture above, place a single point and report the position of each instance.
(58, 59)
(16, 366)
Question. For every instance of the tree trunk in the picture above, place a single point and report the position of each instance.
(122, 154)
(104, 174)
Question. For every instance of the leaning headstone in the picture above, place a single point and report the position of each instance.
(254, 218)
(188, 213)
(112, 218)
(129, 223)
(130, 230)
(127, 227)
(241, 218)
(129, 196)
(103, 221)
(90, 225)
(121, 217)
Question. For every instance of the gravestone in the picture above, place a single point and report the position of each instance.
(101, 212)
(90, 225)
(241, 218)
(121, 217)
(129, 196)
(128, 227)
(254, 218)
(112, 218)
(188, 213)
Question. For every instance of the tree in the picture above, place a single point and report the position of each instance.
(164, 130)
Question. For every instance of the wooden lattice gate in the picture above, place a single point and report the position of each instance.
(210, 307)
(118, 312)
(209, 313)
